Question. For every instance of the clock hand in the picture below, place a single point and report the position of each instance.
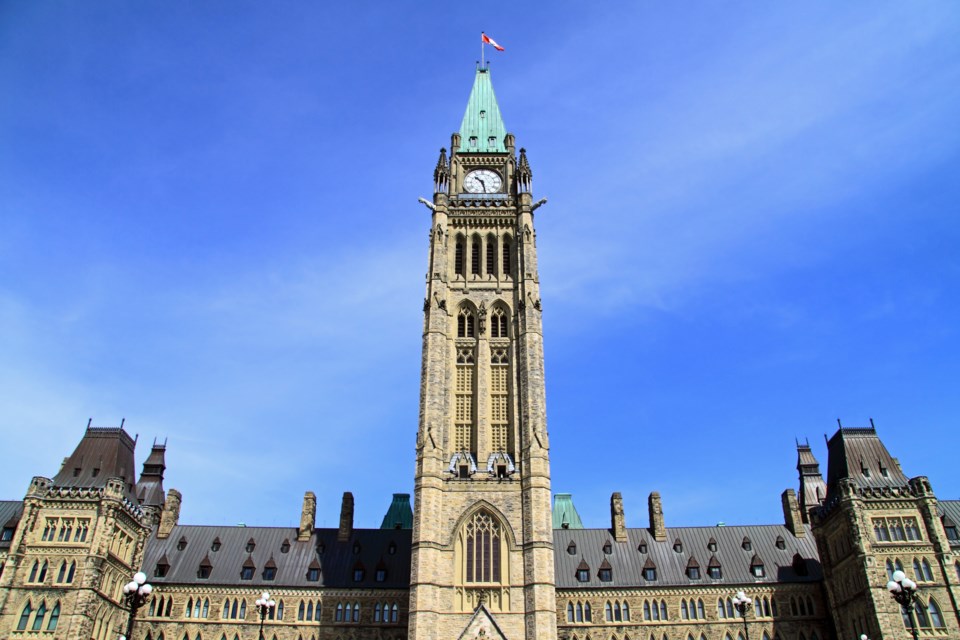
(482, 183)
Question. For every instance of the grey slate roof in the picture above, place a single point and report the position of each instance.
(627, 561)
(103, 453)
(10, 512)
(859, 454)
(337, 560)
(950, 513)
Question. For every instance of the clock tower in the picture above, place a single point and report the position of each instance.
(482, 538)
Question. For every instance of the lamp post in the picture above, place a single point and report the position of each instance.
(135, 595)
(742, 603)
(264, 605)
(904, 591)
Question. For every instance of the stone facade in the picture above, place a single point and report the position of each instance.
(483, 554)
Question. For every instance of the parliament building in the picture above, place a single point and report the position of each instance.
(485, 551)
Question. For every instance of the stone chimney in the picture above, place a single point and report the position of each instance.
(657, 529)
(791, 513)
(308, 516)
(170, 515)
(346, 518)
(618, 523)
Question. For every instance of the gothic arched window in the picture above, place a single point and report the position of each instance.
(475, 256)
(482, 548)
(459, 260)
(505, 256)
(491, 255)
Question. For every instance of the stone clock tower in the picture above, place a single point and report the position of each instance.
(482, 538)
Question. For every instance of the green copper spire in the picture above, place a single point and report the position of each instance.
(482, 129)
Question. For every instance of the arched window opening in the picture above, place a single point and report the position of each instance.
(24, 617)
(608, 611)
(459, 263)
(663, 609)
(721, 612)
(505, 256)
(927, 572)
(55, 617)
(579, 612)
(41, 614)
(356, 612)
(394, 613)
(491, 255)
(626, 611)
(936, 617)
(646, 610)
(376, 612)
(482, 538)
(587, 615)
(475, 257)
(338, 615)
(570, 612)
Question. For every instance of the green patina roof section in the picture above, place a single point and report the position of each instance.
(399, 515)
(565, 515)
(482, 118)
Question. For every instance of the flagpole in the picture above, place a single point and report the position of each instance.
(481, 50)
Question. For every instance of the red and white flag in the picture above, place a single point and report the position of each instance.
(488, 40)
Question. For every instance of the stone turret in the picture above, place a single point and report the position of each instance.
(308, 516)
(170, 515)
(345, 532)
(791, 513)
(618, 523)
(657, 528)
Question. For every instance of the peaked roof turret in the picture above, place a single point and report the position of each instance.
(858, 454)
(103, 453)
(399, 515)
(565, 515)
(150, 486)
(482, 129)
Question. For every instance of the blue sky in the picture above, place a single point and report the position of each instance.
(209, 227)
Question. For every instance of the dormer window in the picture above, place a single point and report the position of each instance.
(96, 472)
(285, 547)
(203, 572)
(605, 575)
(712, 545)
(356, 548)
(251, 545)
(182, 543)
(642, 547)
(583, 575)
(483, 114)
(392, 549)
(607, 548)
(381, 575)
(746, 544)
(572, 548)
(216, 545)
(161, 569)
(756, 567)
(650, 574)
(473, 141)
(358, 574)
(313, 574)
(269, 573)
(246, 573)
(492, 141)
(678, 546)
(693, 573)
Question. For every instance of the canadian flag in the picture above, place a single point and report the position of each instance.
(488, 40)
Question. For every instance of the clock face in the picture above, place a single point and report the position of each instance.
(482, 181)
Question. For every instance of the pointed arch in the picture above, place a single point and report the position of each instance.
(936, 616)
(506, 255)
(476, 247)
(24, 616)
(39, 616)
(491, 254)
(460, 256)
(54, 617)
(482, 549)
